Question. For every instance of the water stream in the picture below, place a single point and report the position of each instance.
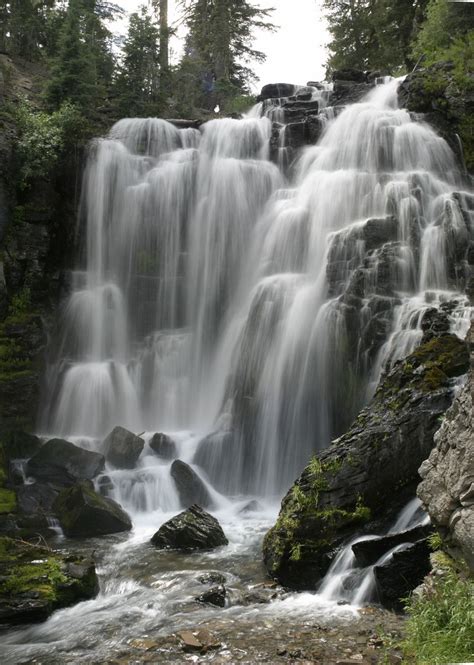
(248, 314)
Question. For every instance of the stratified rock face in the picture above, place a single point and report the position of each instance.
(193, 529)
(447, 488)
(84, 513)
(163, 445)
(275, 90)
(367, 552)
(404, 571)
(35, 581)
(122, 448)
(190, 487)
(62, 463)
(351, 484)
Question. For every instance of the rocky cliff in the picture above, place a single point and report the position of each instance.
(356, 484)
(447, 488)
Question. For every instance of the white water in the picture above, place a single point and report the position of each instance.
(214, 296)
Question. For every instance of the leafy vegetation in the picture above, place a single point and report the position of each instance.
(440, 625)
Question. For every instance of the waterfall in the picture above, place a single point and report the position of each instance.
(221, 295)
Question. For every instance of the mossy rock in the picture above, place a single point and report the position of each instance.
(35, 581)
(367, 474)
(82, 512)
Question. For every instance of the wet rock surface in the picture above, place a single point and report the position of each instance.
(35, 581)
(214, 596)
(163, 445)
(122, 448)
(191, 488)
(193, 529)
(62, 463)
(348, 487)
(447, 487)
(84, 513)
(368, 552)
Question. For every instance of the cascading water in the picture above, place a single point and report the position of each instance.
(216, 298)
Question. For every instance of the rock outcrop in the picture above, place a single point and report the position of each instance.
(84, 513)
(62, 463)
(122, 448)
(193, 529)
(35, 581)
(447, 487)
(350, 486)
(163, 445)
(191, 488)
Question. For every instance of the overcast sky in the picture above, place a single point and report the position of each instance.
(296, 52)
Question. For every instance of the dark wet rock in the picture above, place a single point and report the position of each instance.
(163, 445)
(434, 322)
(191, 488)
(104, 485)
(447, 487)
(122, 448)
(36, 498)
(212, 578)
(379, 230)
(368, 552)
(251, 507)
(193, 529)
(84, 513)
(349, 487)
(215, 596)
(62, 463)
(348, 92)
(17, 444)
(397, 577)
(35, 581)
(275, 90)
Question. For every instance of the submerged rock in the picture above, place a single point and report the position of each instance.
(193, 529)
(191, 488)
(35, 581)
(84, 513)
(402, 573)
(163, 445)
(215, 596)
(212, 578)
(251, 507)
(62, 463)
(122, 448)
(350, 486)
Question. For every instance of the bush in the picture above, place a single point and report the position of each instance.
(440, 625)
(43, 137)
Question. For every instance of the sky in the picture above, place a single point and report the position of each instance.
(296, 52)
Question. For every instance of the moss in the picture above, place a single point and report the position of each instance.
(7, 501)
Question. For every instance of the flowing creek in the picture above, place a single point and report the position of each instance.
(213, 303)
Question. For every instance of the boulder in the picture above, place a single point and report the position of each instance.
(212, 578)
(17, 444)
(447, 487)
(36, 498)
(397, 577)
(163, 446)
(276, 90)
(352, 485)
(35, 581)
(122, 448)
(215, 596)
(251, 507)
(84, 513)
(191, 488)
(62, 463)
(356, 75)
(368, 552)
(193, 529)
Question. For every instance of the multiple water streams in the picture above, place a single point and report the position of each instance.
(247, 316)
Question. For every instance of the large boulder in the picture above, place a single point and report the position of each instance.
(276, 90)
(401, 573)
(191, 488)
(447, 487)
(122, 448)
(34, 498)
(163, 445)
(62, 463)
(354, 484)
(84, 513)
(35, 581)
(193, 529)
